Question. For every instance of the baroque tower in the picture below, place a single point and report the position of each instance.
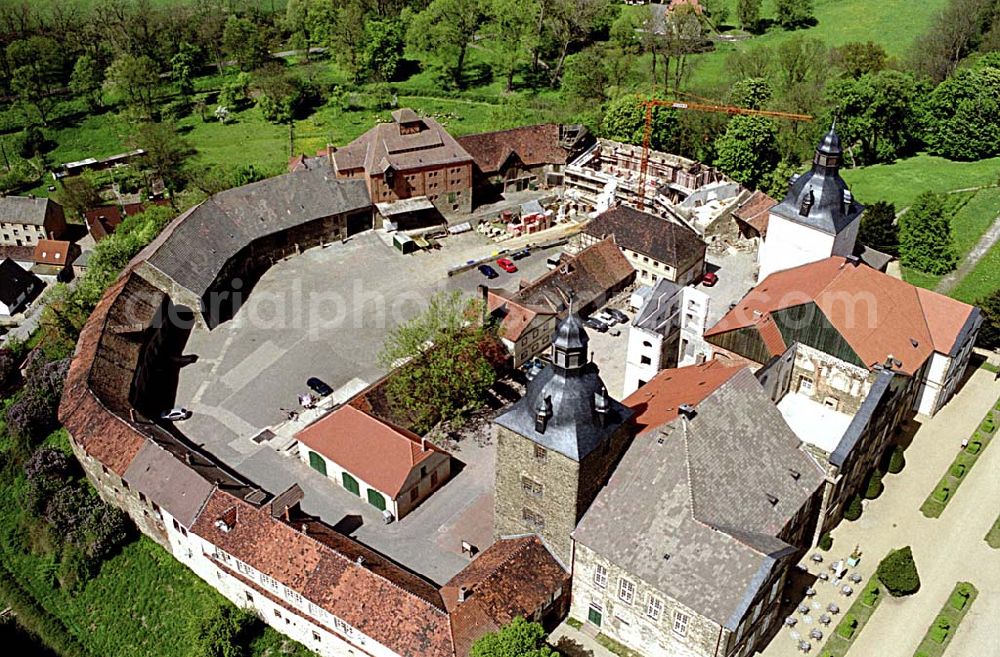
(557, 446)
(818, 217)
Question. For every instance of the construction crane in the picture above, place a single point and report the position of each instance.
(700, 107)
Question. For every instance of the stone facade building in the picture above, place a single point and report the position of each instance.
(557, 445)
(25, 219)
(686, 550)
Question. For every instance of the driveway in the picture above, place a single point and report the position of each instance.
(946, 550)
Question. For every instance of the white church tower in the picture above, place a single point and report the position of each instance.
(817, 219)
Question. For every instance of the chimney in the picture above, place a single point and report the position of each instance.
(543, 411)
(423, 443)
(687, 410)
(772, 499)
(360, 560)
(463, 594)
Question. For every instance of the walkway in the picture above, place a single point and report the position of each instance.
(571, 642)
(989, 238)
(946, 550)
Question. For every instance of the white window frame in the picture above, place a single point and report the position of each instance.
(626, 590)
(600, 576)
(681, 621)
(654, 607)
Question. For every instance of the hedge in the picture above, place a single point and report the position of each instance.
(898, 573)
(897, 461)
(854, 508)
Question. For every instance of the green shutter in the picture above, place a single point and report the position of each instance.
(317, 463)
(351, 484)
(376, 500)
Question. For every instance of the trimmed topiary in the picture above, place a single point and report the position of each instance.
(897, 461)
(939, 633)
(853, 509)
(942, 494)
(825, 541)
(958, 470)
(959, 599)
(974, 447)
(874, 487)
(847, 627)
(870, 596)
(988, 425)
(898, 573)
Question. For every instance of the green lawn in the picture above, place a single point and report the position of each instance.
(982, 280)
(941, 631)
(902, 181)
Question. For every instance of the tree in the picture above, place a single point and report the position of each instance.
(566, 23)
(925, 236)
(585, 78)
(79, 194)
(875, 115)
(878, 228)
(449, 361)
(748, 14)
(244, 41)
(224, 632)
(519, 638)
(960, 115)
(625, 120)
(135, 79)
(754, 93)
(348, 40)
(510, 24)
(989, 333)
(791, 14)
(235, 92)
(854, 508)
(952, 35)
(776, 183)
(86, 81)
(897, 459)
(32, 415)
(383, 49)
(36, 67)
(856, 59)
(874, 485)
(898, 573)
(182, 70)
(747, 151)
(165, 153)
(443, 31)
(311, 22)
(280, 93)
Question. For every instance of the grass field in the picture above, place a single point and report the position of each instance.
(982, 280)
(902, 181)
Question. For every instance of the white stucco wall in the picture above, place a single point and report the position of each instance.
(336, 474)
(789, 244)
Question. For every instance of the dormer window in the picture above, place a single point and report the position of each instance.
(807, 203)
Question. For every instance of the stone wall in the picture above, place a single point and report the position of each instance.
(832, 379)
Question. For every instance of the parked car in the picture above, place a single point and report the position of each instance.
(596, 324)
(175, 414)
(319, 386)
(520, 255)
(488, 271)
(709, 279)
(506, 265)
(553, 261)
(619, 315)
(606, 317)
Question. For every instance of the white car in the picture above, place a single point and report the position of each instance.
(607, 318)
(175, 414)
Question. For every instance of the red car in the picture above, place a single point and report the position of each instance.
(709, 279)
(507, 265)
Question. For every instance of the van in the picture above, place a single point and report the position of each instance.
(553, 261)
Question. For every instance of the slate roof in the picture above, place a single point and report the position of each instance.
(83, 259)
(172, 484)
(385, 145)
(658, 401)
(755, 211)
(660, 239)
(377, 452)
(589, 275)
(196, 245)
(876, 314)
(706, 531)
(534, 145)
(15, 281)
(24, 209)
(514, 576)
(817, 198)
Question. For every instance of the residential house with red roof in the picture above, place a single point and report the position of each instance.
(54, 259)
(391, 467)
(525, 329)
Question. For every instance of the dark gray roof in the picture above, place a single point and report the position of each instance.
(659, 295)
(83, 259)
(173, 485)
(24, 210)
(660, 239)
(196, 246)
(573, 429)
(820, 198)
(14, 281)
(704, 484)
(872, 257)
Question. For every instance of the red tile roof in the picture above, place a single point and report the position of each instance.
(755, 211)
(876, 314)
(516, 316)
(590, 274)
(534, 145)
(52, 252)
(102, 221)
(380, 454)
(657, 402)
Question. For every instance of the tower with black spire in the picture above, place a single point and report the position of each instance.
(818, 217)
(557, 445)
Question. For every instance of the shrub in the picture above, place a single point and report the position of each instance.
(942, 494)
(989, 425)
(847, 627)
(854, 508)
(871, 596)
(958, 470)
(897, 461)
(825, 541)
(874, 487)
(959, 599)
(974, 447)
(941, 630)
(898, 573)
